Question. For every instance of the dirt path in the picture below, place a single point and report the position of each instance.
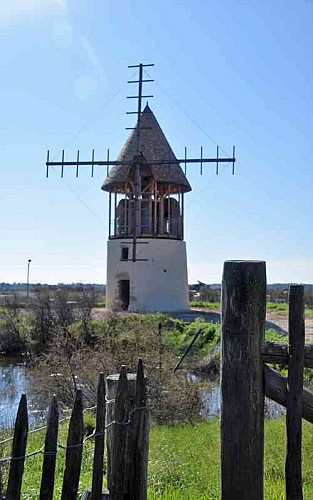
(279, 319)
(274, 319)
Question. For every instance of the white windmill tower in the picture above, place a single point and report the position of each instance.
(146, 257)
(146, 252)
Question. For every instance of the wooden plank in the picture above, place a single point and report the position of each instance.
(112, 384)
(276, 389)
(50, 450)
(279, 353)
(18, 451)
(97, 475)
(137, 449)
(117, 438)
(293, 467)
(74, 451)
(242, 410)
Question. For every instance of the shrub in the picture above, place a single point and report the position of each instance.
(71, 362)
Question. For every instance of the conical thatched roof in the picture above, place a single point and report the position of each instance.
(154, 146)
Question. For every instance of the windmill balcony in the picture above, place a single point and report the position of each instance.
(147, 229)
(148, 217)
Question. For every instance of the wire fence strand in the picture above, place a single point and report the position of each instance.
(43, 427)
(78, 445)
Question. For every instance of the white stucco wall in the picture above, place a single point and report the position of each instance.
(159, 283)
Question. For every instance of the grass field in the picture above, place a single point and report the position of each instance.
(184, 462)
(270, 306)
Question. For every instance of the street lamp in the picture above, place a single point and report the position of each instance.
(27, 283)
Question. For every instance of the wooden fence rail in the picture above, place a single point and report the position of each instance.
(279, 353)
(127, 429)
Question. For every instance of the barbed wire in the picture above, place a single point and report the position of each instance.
(77, 445)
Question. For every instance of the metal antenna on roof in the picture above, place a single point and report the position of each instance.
(151, 161)
(140, 81)
(138, 128)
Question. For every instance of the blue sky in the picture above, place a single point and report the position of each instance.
(230, 72)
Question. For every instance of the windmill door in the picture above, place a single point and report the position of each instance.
(124, 287)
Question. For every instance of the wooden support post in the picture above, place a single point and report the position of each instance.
(50, 451)
(74, 451)
(124, 232)
(18, 451)
(161, 215)
(115, 221)
(182, 216)
(127, 445)
(110, 213)
(155, 210)
(169, 215)
(294, 392)
(242, 411)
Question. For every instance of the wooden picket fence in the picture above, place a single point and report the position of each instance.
(246, 379)
(121, 415)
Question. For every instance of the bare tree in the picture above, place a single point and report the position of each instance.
(43, 316)
(86, 301)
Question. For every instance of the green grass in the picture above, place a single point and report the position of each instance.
(272, 335)
(184, 462)
(179, 334)
(275, 306)
(205, 305)
(309, 313)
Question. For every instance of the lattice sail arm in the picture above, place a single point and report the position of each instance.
(110, 163)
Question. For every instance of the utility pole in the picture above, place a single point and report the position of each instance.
(27, 282)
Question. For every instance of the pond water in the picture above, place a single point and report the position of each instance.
(15, 380)
(211, 399)
(212, 404)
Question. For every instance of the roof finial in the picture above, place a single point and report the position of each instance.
(147, 108)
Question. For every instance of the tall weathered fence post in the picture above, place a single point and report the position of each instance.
(127, 437)
(242, 412)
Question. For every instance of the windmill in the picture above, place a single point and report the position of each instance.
(146, 251)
